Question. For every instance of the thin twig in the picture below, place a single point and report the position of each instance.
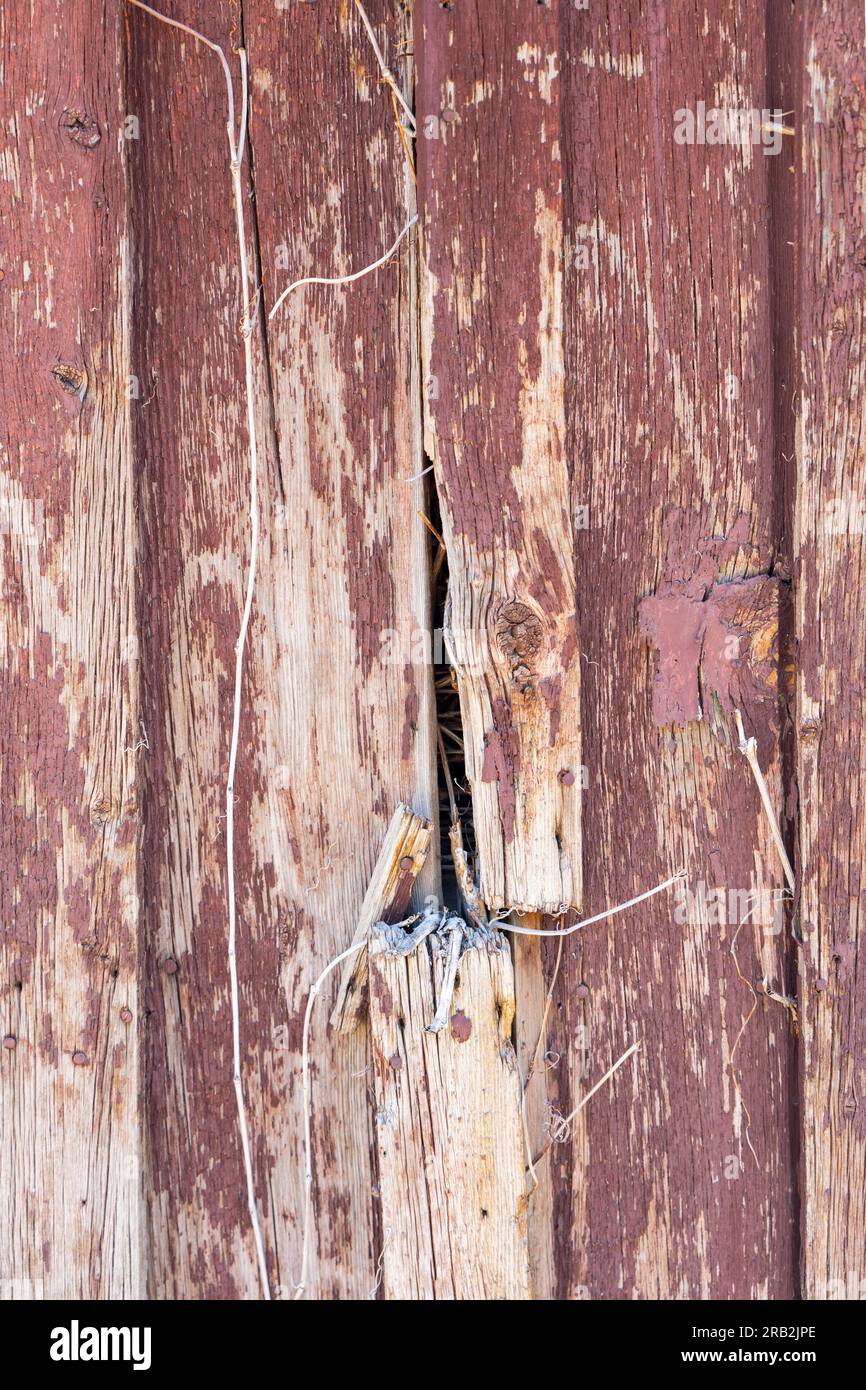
(563, 1124)
(443, 757)
(343, 279)
(209, 43)
(237, 144)
(387, 74)
(548, 1003)
(749, 750)
(527, 1146)
(404, 142)
(503, 925)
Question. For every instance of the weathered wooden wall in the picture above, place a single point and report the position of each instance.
(634, 366)
(72, 1173)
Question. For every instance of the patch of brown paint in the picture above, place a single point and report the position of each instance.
(384, 999)
(551, 692)
(674, 624)
(500, 763)
(411, 706)
(370, 580)
(461, 1027)
(725, 644)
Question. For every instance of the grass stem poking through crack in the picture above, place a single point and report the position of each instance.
(749, 750)
(563, 1125)
(387, 75)
(237, 144)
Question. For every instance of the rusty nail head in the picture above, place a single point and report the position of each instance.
(407, 861)
(820, 984)
(395, 1061)
(170, 966)
(79, 1059)
(582, 991)
(10, 1042)
(566, 777)
(126, 1015)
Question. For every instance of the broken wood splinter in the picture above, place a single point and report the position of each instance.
(388, 895)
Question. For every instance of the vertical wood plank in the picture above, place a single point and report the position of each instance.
(670, 427)
(831, 587)
(70, 1179)
(348, 713)
(490, 190)
(336, 725)
(191, 444)
(451, 1158)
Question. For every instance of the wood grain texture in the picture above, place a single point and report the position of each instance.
(643, 399)
(671, 409)
(831, 587)
(346, 583)
(387, 899)
(490, 193)
(451, 1156)
(71, 1188)
(192, 452)
(342, 590)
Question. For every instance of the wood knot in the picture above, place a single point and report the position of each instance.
(81, 129)
(101, 811)
(72, 379)
(519, 636)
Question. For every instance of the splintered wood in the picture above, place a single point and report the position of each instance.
(400, 861)
(495, 426)
(448, 1132)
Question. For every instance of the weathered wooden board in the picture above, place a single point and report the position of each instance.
(831, 588)
(349, 718)
(618, 322)
(192, 461)
(71, 1188)
(490, 193)
(670, 406)
(448, 1131)
(337, 719)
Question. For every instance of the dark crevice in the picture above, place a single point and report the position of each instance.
(259, 284)
(784, 47)
(451, 763)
